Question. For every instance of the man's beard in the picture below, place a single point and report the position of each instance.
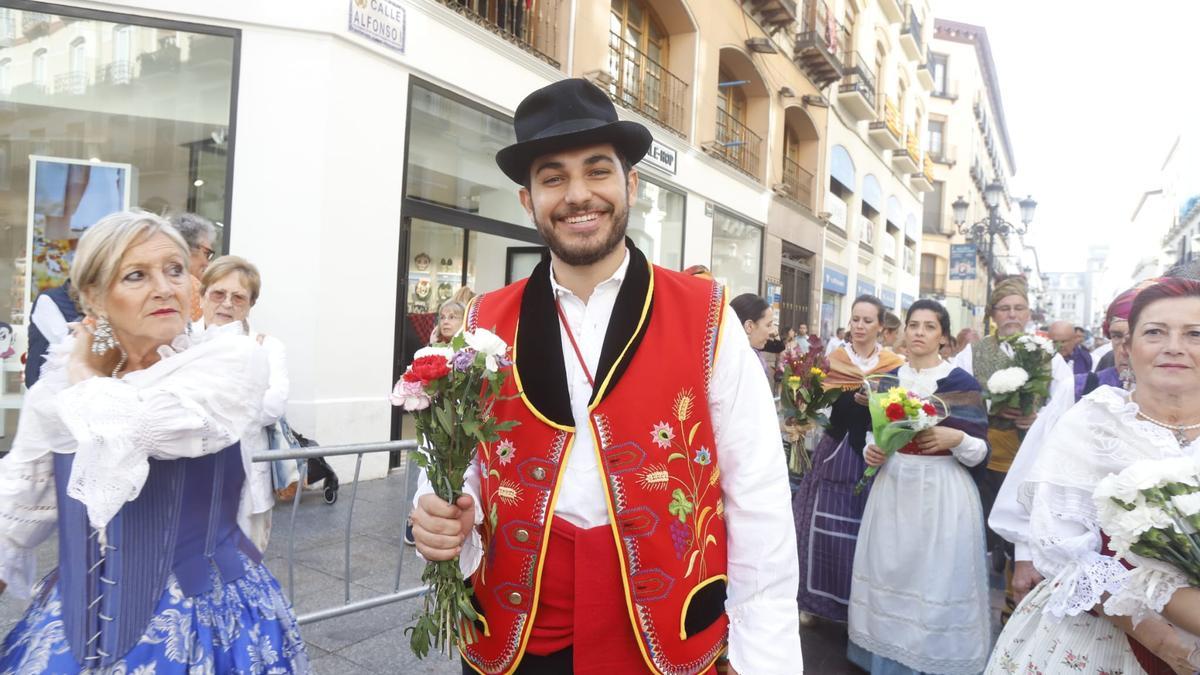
(589, 252)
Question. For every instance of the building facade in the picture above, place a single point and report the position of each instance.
(877, 170)
(969, 145)
(1066, 297)
(347, 149)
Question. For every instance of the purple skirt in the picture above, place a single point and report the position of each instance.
(828, 515)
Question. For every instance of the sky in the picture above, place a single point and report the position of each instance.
(1094, 94)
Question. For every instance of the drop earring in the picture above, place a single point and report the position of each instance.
(103, 340)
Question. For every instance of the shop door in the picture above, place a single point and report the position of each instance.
(437, 262)
(796, 285)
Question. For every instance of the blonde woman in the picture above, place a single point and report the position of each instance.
(228, 291)
(128, 447)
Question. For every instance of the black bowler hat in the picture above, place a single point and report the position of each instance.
(568, 114)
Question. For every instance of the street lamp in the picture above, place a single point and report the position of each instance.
(983, 232)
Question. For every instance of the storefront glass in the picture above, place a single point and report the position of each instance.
(656, 223)
(452, 158)
(736, 254)
(95, 117)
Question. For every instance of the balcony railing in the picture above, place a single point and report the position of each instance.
(913, 146)
(640, 83)
(533, 27)
(912, 31)
(859, 74)
(797, 181)
(736, 144)
(74, 82)
(117, 72)
(820, 42)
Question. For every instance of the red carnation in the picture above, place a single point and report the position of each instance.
(929, 409)
(895, 412)
(432, 367)
(410, 376)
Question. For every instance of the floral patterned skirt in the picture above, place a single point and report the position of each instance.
(1033, 643)
(244, 626)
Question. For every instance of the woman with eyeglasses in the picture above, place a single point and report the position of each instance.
(198, 233)
(229, 288)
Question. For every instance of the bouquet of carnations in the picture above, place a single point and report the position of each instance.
(804, 400)
(898, 415)
(451, 391)
(1152, 510)
(1025, 385)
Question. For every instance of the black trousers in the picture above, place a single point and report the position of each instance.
(558, 663)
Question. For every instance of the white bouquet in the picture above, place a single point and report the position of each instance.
(1007, 380)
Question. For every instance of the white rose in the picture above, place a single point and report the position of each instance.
(1007, 380)
(487, 343)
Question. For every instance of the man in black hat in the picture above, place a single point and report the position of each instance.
(638, 517)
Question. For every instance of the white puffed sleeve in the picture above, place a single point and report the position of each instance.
(27, 517)
(193, 403)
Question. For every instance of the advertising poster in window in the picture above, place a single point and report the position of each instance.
(962, 261)
(66, 197)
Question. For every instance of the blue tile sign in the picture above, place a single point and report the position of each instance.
(835, 281)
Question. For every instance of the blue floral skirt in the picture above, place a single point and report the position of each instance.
(244, 626)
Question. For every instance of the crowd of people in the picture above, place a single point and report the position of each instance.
(641, 516)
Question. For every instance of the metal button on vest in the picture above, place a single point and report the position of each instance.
(539, 473)
(521, 535)
(514, 598)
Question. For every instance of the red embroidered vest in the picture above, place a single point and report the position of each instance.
(655, 445)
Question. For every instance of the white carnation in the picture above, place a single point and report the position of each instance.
(1188, 505)
(487, 343)
(1007, 380)
(444, 352)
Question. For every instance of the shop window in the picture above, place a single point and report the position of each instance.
(83, 157)
(452, 158)
(656, 223)
(736, 253)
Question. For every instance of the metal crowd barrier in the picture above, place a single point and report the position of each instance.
(358, 449)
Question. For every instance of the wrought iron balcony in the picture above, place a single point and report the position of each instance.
(165, 59)
(819, 42)
(531, 26)
(642, 84)
(910, 36)
(736, 144)
(774, 14)
(115, 73)
(925, 74)
(856, 93)
(886, 132)
(797, 182)
(922, 181)
(74, 83)
(908, 159)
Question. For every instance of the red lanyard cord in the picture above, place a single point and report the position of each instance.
(571, 336)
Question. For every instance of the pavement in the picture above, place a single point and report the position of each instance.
(373, 641)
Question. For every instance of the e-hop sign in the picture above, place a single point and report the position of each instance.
(962, 261)
(379, 20)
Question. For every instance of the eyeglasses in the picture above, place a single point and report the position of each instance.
(209, 254)
(1005, 309)
(218, 297)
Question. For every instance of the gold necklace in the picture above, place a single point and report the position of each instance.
(1177, 429)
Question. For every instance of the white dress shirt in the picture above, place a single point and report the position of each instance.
(1009, 518)
(764, 630)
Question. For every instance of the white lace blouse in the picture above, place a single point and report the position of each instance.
(194, 401)
(1100, 435)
